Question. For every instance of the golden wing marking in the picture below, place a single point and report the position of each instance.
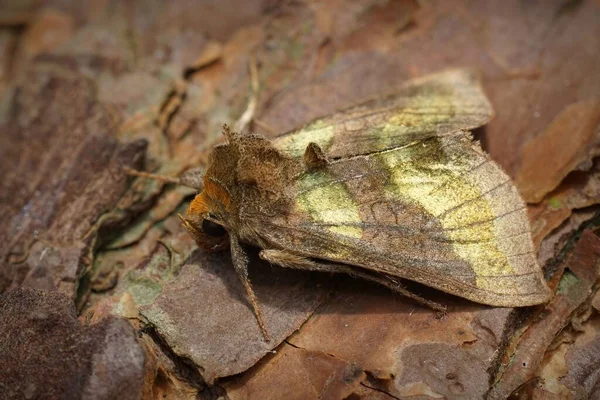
(329, 202)
(441, 179)
(459, 226)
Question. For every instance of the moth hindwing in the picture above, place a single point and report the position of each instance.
(393, 188)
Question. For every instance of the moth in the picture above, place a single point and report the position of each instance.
(393, 188)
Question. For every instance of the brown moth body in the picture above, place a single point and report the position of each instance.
(391, 189)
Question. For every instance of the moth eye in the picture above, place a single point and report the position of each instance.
(212, 229)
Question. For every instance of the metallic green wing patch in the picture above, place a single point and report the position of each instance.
(330, 203)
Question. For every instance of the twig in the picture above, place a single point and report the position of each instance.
(247, 116)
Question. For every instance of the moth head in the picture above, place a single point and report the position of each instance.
(245, 174)
(207, 217)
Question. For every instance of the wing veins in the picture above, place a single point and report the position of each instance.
(414, 142)
(449, 181)
(329, 183)
(458, 206)
(323, 235)
(485, 220)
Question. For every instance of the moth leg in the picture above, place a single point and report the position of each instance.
(240, 262)
(394, 284)
(290, 260)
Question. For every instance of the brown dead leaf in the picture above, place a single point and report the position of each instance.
(225, 340)
(212, 52)
(569, 143)
(577, 284)
(61, 173)
(579, 190)
(404, 349)
(308, 375)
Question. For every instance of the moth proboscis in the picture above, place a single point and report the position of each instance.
(393, 188)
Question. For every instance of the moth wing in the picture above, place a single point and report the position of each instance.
(435, 105)
(437, 211)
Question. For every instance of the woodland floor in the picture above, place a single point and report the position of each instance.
(104, 295)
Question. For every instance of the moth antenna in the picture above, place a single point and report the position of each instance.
(193, 179)
(162, 178)
(240, 263)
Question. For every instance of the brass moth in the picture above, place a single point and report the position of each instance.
(393, 188)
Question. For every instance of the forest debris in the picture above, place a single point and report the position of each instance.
(204, 317)
(212, 52)
(46, 32)
(329, 377)
(555, 245)
(576, 286)
(583, 375)
(247, 116)
(63, 181)
(315, 58)
(46, 352)
(569, 143)
(161, 210)
(580, 189)
(393, 344)
(8, 41)
(572, 369)
(165, 378)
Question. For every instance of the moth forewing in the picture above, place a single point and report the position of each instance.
(437, 212)
(433, 105)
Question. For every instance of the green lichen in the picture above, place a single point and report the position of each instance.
(555, 203)
(567, 282)
(144, 290)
